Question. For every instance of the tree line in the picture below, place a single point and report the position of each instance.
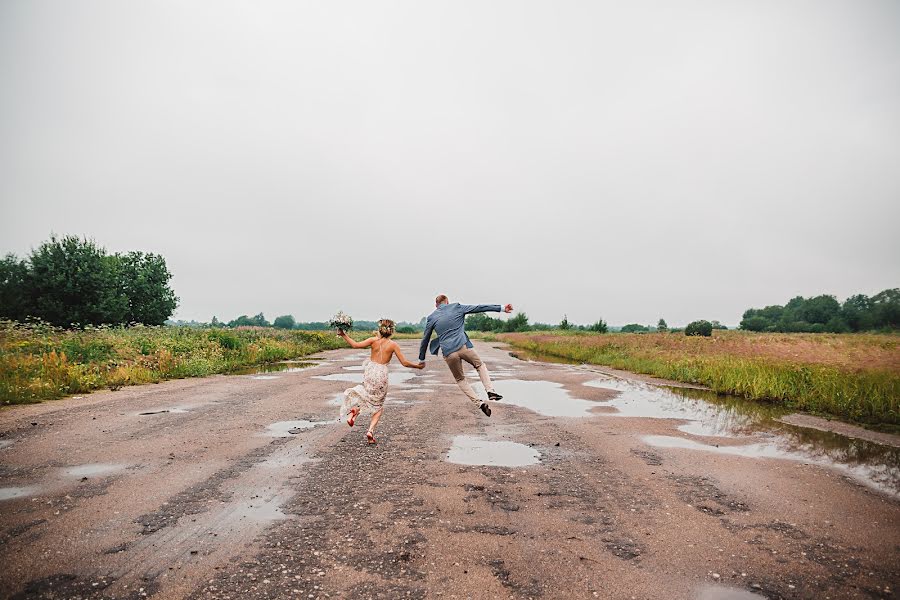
(824, 313)
(70, 281)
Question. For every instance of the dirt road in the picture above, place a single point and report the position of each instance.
(196, 489)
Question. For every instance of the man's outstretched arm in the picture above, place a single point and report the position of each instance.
(480, 308)
(426, 337)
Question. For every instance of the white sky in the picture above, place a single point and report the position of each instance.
(628, 161)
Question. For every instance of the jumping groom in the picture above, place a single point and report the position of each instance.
(449, 320)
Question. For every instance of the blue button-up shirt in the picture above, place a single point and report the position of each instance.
(449, 320)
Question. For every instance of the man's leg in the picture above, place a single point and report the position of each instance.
(454, 361)
(470, 356)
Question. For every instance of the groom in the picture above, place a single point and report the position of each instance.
(449, 320)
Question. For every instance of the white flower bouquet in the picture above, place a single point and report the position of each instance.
(341, 322)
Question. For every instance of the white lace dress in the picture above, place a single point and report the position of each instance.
(369, 396)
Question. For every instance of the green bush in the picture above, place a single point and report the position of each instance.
(701, 328)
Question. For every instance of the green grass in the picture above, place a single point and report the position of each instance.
(827, 375)
(39, 362)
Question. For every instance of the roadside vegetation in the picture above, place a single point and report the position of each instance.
(851, 376)
(42, 362)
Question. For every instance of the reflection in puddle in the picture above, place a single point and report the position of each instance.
(721, 592)
(882, 473)
(10, 493)
(284, 428)
(543, 397)
(470, 450)
(711, 415)
(93, 469)
(287, 366)
(399, 378)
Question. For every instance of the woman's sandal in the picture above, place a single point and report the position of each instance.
(354, 412)
(370, 438)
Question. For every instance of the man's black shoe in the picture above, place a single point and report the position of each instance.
(494, 396)
(485, 409)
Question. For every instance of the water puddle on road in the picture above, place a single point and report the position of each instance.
(94, 469)
(11, 493)
(260, 510)
(721, 592)
(471, 450)
(285, 428)
(161, 411)
(705, 414)
(287, 366)
(543, 397)
(5, 444)
(711, 415)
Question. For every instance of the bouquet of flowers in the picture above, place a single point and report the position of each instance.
(341, 322)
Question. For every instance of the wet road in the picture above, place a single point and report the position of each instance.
(579, 486)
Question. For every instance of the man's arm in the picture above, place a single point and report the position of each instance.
(426, 337)
(479, 308)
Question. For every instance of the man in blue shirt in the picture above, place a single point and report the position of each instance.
(449, 321)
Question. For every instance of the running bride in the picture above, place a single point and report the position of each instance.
(370, 395)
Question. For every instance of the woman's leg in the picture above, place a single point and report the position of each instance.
(375, 418)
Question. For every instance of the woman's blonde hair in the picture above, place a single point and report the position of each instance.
(386, 328)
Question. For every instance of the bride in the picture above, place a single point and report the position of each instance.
(370, 395)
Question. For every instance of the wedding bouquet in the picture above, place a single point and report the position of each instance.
(341, 321)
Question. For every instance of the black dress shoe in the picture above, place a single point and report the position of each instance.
(494, 396)
(485, 409)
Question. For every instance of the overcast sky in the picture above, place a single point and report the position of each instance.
(628, 161)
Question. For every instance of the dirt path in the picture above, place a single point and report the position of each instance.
(214, 499)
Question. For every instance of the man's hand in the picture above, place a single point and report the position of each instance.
(507, 308)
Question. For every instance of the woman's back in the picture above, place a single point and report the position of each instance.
(382, 350)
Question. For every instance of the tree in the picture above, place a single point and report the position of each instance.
(564, 324)
(144, 282)
(886, 308)
(717, 325)
(215, 322)
(599, 327)
(517, 323)
(634, 328)
(661, 325)
(701, 328)
(14, 284)
(74, 281)
(284, 322)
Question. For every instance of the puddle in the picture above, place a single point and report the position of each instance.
(260, 510)
(471, 450)
(93, 469)
(709, 413)
(721, 592)
(10, 493)
(872, 464)
(287, 366)
(266, 377)
(283, 428)
(160, 411)
(394, 378)
(5, 444)
(543, 397)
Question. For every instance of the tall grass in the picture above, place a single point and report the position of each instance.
(40, 362)
(854, 377)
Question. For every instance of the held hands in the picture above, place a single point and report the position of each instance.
(508, 308)
(421, 365)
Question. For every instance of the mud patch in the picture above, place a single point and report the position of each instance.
(703, 494)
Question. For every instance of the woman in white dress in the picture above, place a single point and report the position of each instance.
(371, 394)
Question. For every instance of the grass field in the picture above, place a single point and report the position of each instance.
(851, 376)
(39, 362)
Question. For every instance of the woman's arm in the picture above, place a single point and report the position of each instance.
(353, 343)
(403, 361)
